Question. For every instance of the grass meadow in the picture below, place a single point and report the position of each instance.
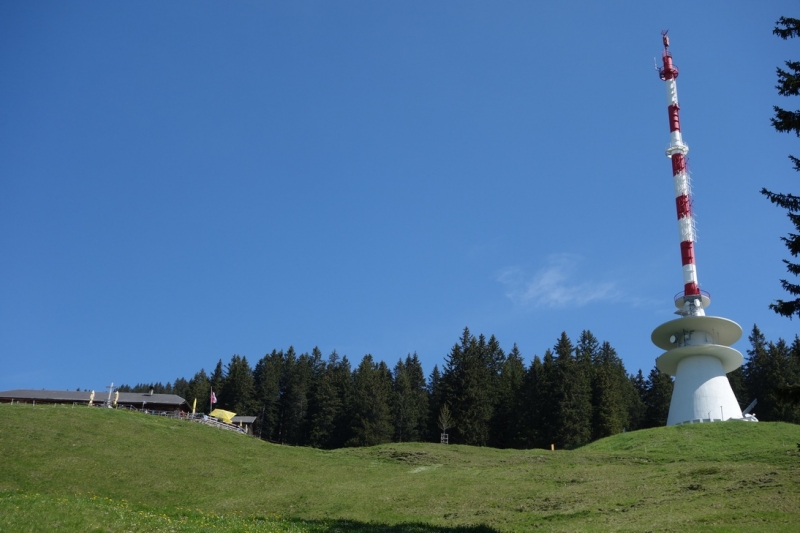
(97, 470)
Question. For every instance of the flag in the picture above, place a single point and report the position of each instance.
(213, 397)
(194, 405)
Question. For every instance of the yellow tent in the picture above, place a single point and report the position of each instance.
(222, 414)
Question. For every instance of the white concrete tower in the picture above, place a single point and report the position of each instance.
(698, 351)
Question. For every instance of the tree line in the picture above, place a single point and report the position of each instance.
(577, 392)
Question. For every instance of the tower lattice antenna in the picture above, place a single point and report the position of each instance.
(692, 301)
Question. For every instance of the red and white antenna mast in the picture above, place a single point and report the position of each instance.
(692, 301)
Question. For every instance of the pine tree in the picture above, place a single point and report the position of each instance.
(756, 374)
(788, 121)
(370, 406)
(409, 400)
(419, 389)
(636, 401)
(547, 400)
(506, 427)
(573, 397)
(266, 382)
(401, 403)
(199, 389)
(768, 372)
(532, 405)
(435, 402)
(293, 407)
(179, 387)
(331, 421)
(325, 405)
(217, 381)
(657, 397)
(611, 393)
(238, 386)
(469, 389)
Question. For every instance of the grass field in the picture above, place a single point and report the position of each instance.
(81, 469)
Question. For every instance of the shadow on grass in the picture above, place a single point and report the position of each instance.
(347, 526)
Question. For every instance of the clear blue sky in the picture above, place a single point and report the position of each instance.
(184, 181)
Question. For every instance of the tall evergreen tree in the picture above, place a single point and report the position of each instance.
(435, 402)
(573, 397)
(198, 392)
(409, 400)
(469, 388)
(267, 394)
(547, 400)
(534, 405)
(506, 427)
(331, 421)
(768, 372)
(217, 381)
(370, 405)
(293, 408)
(636, 401)
(238, 386)
(180, 387)
(757, 375)
(658, 394)
(612, 392)
(788, 121)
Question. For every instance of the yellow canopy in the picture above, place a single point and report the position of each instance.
(222, 414)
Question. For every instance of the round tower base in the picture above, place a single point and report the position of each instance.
(702, 392)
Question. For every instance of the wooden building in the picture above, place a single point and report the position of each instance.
(137, 400)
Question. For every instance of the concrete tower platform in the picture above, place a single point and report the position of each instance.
(698, 356)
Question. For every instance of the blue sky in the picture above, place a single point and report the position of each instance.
(184, 181)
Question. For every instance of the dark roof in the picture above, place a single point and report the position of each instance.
(132, 398)
(243, 419)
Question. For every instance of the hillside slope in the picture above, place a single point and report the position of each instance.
(727, 476)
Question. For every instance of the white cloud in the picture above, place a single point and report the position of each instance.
(553, 286)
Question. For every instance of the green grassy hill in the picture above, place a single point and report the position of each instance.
(81, 469)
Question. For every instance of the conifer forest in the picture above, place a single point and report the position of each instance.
(577, 392)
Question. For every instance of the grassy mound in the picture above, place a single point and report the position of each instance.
(81, 469)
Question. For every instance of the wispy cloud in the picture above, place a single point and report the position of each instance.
(554, 285)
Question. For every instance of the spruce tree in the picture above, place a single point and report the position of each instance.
(435, 402)
(180, 387)
(507, 421)
(657, 397)
(532, 405)
(370, 405)
(469, 389)
(419, 390)
(325, 404)
(266, 382)
(573, 397)
(217, 381)
(611, 393)
(756, 374)
(238, 386)
(788, 121)
(547, 402)
(295, 383)
(402, 404)
(636, 401)
(409, 400)
(198, 391)
(768, 373)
